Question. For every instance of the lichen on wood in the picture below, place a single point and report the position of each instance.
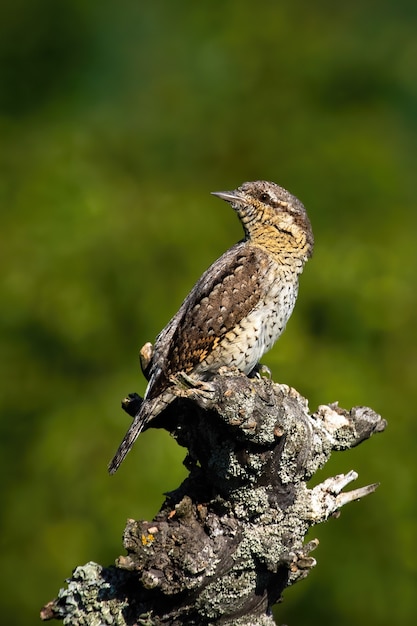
(231, 538)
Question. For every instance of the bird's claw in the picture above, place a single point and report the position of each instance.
(186, 386)
(260, 371)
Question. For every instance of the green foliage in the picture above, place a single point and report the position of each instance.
(115, 123)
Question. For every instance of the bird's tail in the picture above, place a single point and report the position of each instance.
(148, 410)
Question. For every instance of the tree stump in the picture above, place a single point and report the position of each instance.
(230, 539)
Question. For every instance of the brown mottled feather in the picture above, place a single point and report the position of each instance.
(202, 322)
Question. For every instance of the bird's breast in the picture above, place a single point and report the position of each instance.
(244, 345)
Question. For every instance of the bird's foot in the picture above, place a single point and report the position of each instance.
(260, 371)
(186, 386)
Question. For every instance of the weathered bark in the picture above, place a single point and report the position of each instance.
(230, 539)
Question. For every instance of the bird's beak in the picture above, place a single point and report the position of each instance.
(229, 196)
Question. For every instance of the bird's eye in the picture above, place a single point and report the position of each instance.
(265, 197)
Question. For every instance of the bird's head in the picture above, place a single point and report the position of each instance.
(272, 217)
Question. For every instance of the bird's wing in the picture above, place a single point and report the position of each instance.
(223, 296)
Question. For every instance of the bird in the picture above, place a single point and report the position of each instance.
(240, 305)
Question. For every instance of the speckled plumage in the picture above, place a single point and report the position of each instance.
(240, 305)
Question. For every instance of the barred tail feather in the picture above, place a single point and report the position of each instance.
(148, 410)
(129, 439)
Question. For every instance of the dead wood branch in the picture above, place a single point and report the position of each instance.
(231, 538)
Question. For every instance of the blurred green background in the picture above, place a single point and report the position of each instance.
(116, 121)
